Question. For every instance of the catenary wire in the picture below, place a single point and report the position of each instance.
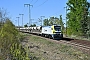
(35, 2)
(41, 4)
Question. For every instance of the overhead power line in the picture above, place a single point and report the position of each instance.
(56, 13)
(31, 1)
(42, 3)
(35, 2)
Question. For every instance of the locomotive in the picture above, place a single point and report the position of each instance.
(53, 31)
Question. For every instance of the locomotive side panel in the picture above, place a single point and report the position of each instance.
(46, 30)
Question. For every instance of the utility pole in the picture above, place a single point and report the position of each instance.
(42, 20)
(66, 19)
(22, 19)
(28, 5)
(18, 23)
(18, 20)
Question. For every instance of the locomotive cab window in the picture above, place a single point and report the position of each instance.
(57, 28)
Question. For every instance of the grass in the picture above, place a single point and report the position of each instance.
(44, 49)
(79, 37)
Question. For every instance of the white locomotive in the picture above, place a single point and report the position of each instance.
(54, 31)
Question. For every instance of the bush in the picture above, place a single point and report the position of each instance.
(10, 43)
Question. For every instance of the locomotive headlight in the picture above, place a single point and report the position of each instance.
(53, 31)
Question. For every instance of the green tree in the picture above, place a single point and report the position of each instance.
(77, 17)
(33, 25)
(56, 21)
(46, 22)
(25, 25)
(88, 33)
(51, 21)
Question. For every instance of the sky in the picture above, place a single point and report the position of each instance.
(47, 8)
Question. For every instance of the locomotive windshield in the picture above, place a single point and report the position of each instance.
(57, 28)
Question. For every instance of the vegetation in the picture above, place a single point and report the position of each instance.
(77, 17)
(33, 25)
(25, 25)
(44, 49)
(46, 22)
(54, 20)
(10, 41)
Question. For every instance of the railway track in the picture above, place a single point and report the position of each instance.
(72, 42)
(83, 48)
(78, 45)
